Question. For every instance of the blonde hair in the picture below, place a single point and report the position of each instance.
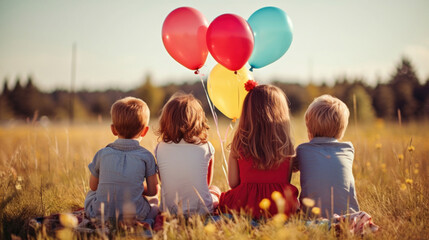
(264, 129)
(327, 116)
(183, 117)
(129, 116)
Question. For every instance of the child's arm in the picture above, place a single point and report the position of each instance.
(295, 164)
(210, 172)
(93, 183)
(233, 171)
(151, 189)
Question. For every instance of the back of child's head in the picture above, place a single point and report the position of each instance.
(327, 116)
(183, 117)
(264, 129)
(129, 116)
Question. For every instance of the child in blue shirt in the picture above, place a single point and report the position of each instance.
(324, 162)
(119, 170)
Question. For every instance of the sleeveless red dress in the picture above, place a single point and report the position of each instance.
(255, 185)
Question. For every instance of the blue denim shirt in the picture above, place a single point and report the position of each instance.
(121, 168)
(326, 166)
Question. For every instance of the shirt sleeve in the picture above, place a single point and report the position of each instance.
(94, 166)
(150, 165)
(211, 150)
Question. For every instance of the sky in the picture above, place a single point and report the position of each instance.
(119, 42)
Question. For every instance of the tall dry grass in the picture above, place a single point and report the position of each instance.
(43, 170)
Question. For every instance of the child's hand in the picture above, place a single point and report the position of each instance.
(151, 189)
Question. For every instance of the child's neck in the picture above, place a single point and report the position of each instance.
(134, 138)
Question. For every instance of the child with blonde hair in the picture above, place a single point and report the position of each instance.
(325, 163)
(119, 170)
(260, 158)
(185, 158)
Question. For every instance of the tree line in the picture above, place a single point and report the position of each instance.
(402, 96)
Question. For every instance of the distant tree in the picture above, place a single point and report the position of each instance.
(17, 99)
(364, 109)
(101, 105)
(424, 107)
(5, 91)
(340, 88)
(383, 100)
(312, 91)
(62, 101)
(32, 96)
(404, 84)
(152, 95)
(297, 95)
(6, 111)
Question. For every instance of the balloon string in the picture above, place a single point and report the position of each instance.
(230, 127)
(215, 119)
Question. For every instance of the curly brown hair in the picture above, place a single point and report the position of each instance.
(183, 117)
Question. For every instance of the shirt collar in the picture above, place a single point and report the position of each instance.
(323, 140)
(125, 144)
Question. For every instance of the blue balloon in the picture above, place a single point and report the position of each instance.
(272, 31)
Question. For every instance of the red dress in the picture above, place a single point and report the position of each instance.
(255, 185)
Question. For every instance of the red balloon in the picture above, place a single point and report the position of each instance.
(184, 36)
(230, 41)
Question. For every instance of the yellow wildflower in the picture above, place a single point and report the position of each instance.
(378, 146)
(400, 157)
(315, 211)
(18, 186)
(411, 148)
(210, 228)
(265, 204)
(409, 181)
(308, 202)
(403, 187)
(368, 164)
(65, 233)
(276, 195)
(280, 218)
(416, 171)
(68, 220)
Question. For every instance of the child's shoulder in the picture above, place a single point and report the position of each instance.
(144, 152)
(315, 144)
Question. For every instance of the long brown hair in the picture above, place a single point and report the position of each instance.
(264, 129)
(183, 117)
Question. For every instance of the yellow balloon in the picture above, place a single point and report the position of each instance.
(226, 89)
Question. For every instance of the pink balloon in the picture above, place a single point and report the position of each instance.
(230, 41)
(184, 36)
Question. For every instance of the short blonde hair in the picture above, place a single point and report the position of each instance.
(129, 116)
(183, 117)
(327, 116)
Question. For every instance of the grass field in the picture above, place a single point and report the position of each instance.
(43, 170)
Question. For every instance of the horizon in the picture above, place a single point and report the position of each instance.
(118, 44)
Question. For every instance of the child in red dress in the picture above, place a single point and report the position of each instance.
(260, 159)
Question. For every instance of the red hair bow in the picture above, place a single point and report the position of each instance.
(250, 84)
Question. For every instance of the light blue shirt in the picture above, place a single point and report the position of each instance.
(326, 165)
(121, 168)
